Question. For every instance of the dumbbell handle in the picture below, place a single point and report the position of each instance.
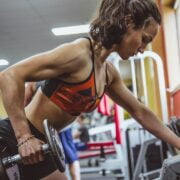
(17, 158)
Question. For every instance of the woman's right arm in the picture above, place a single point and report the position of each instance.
(39, 67)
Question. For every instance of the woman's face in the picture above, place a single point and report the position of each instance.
(136, 40)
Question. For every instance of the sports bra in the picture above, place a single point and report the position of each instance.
(74, 98)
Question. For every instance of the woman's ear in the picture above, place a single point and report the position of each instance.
(128, 21)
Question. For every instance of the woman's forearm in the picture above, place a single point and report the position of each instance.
(12, 91)
(150, 122)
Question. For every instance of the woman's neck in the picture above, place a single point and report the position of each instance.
(100, 52)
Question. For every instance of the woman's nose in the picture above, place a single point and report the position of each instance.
(141, 50)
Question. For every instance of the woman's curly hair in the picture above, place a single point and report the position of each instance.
(109, 24)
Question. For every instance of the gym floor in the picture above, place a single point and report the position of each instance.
(93, 175)
(96, 177)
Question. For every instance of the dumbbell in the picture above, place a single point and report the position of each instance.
(174, 125)
(53, 148)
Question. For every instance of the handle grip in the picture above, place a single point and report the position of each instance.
(17, 158)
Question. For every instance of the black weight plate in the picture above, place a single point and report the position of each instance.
(172, 126)
(11, 170)
(56, 149)
(3, 174)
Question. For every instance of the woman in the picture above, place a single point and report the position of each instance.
(78, 75)
(65, 136)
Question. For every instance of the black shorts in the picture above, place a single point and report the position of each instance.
(29, 172)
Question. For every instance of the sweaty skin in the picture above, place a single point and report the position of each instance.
(41, 107)
(72, 62)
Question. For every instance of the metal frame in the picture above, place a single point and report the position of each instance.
(161, 81)
(141, 157)
(121, 149)
(171, 168)
(163, 100)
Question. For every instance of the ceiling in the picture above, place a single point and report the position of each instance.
(25, 25)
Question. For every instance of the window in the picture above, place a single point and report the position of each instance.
(177, 8)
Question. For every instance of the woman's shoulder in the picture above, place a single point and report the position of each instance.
(79, 47)
(83, 50)
(83, 45)
(74, 53)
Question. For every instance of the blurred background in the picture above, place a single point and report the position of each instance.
(26, 29)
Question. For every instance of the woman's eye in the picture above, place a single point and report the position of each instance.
(146, 40)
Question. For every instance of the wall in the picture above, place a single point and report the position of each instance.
(167, 46)
(172, 47)
(176, 104)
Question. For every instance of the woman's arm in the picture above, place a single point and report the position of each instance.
(54, 63)
(39, 67)
(122, 96)
(30, 90)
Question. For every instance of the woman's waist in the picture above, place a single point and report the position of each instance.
(6, 130)
(56, 117)
(41, 107)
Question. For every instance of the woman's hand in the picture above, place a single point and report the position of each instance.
(30, 149)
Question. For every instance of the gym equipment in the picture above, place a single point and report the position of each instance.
(120, 126)
(174, 125)
(145, 155)
(171, 168)
(53, 148)
(3, 153)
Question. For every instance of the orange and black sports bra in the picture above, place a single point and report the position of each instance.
(74, 98)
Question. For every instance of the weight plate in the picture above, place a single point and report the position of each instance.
(11, 170)
(3, 174)
(56, 149)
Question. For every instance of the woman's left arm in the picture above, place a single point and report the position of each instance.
(120, 94)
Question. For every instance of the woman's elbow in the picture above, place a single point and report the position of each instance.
(7, 77)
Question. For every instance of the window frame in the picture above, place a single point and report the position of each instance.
(177, 13)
